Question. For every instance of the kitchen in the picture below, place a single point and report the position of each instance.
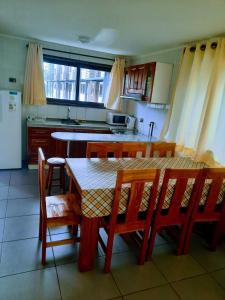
(81, 114)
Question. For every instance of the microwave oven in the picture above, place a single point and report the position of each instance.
(116, 119)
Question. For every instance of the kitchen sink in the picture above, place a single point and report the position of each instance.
(70, 122)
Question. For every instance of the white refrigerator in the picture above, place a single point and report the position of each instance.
(10, 130)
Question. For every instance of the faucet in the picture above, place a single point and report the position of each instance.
(68, 113)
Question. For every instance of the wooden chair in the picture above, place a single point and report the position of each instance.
(175, 214)
(102, 150)
(118, 150)
(131, 149)
(55, 211)
(213, 210)
(162, 148)
(55, 162)
(131, 221)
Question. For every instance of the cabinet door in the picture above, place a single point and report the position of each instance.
(161, 83)
(136, 79)
(38, 137)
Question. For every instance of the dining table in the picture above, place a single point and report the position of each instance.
(94, 180)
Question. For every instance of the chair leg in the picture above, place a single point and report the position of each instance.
(152, 241)
(182, 240)
(188, 238)
(40, 227)
(62, 178)
(74, 230)
(108, 256)
(44, 243)
(218, 233)
(50, 176)
(144, 248)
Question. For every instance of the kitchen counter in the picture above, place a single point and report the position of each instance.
(95, 137)
(51, 123)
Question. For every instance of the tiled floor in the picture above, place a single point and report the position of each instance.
(200, 275)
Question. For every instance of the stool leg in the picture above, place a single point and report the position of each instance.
(50, 176)
(62, 178)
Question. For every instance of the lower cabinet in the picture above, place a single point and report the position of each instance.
(41, 137)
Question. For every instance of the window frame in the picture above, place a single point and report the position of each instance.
(78, 64)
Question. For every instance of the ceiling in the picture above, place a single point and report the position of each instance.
(128, 27)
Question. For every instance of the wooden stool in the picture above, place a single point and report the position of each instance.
(52, 163)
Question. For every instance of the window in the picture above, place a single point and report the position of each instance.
(71, 82)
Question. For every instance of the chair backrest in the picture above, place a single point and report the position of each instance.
(211, 200)
(132, 149)
(162, 149)
(137, 180)
(102, 150)
(178, 194)
(41, 180)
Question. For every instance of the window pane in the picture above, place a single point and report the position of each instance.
(93, 84)
(60, 81)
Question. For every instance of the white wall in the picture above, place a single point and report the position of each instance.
(12, 64)
(140, 109)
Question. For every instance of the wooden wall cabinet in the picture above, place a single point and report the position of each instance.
(41, 137)
(148, 82)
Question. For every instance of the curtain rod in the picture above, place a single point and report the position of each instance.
(86, 55)
(202, 47)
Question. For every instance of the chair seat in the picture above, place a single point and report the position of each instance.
(56, 161)
(63, 209)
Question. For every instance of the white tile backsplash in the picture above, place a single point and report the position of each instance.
(81, 113)
(42, 111)
(52, 111)
(58, 111)
(93, 114)
(141, 110)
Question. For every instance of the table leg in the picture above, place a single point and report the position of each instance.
(88, 243)
(68, 149)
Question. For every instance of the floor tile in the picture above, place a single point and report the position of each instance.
(21, 177)
(175, 267)
(34, 285)
(210, 260)
(23, 191)
(21, 227)
(89, 285)
(220, 277)
(3, 205)
(158, 293)
(4, 192)
(2, 222)
(201, 287)
(23, 255)
(23, 207)
(119, 244)
(58, 230)
(124, 265)
(4, 178)
(66, 253)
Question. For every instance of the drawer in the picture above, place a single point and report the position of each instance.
(33, 131)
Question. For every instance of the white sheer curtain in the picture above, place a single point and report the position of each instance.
(114, 90)
(197, 120)
(34, 90)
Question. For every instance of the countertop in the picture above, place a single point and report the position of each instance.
(95, 137)
(51, 123)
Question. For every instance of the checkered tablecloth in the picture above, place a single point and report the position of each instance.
(96, 180)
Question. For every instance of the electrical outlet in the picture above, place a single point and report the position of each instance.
(141, 120)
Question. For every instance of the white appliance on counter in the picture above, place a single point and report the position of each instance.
(120, 119)
(10, 130)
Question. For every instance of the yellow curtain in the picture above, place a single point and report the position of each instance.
(34, 90)
(114, 91)
(197, 120)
